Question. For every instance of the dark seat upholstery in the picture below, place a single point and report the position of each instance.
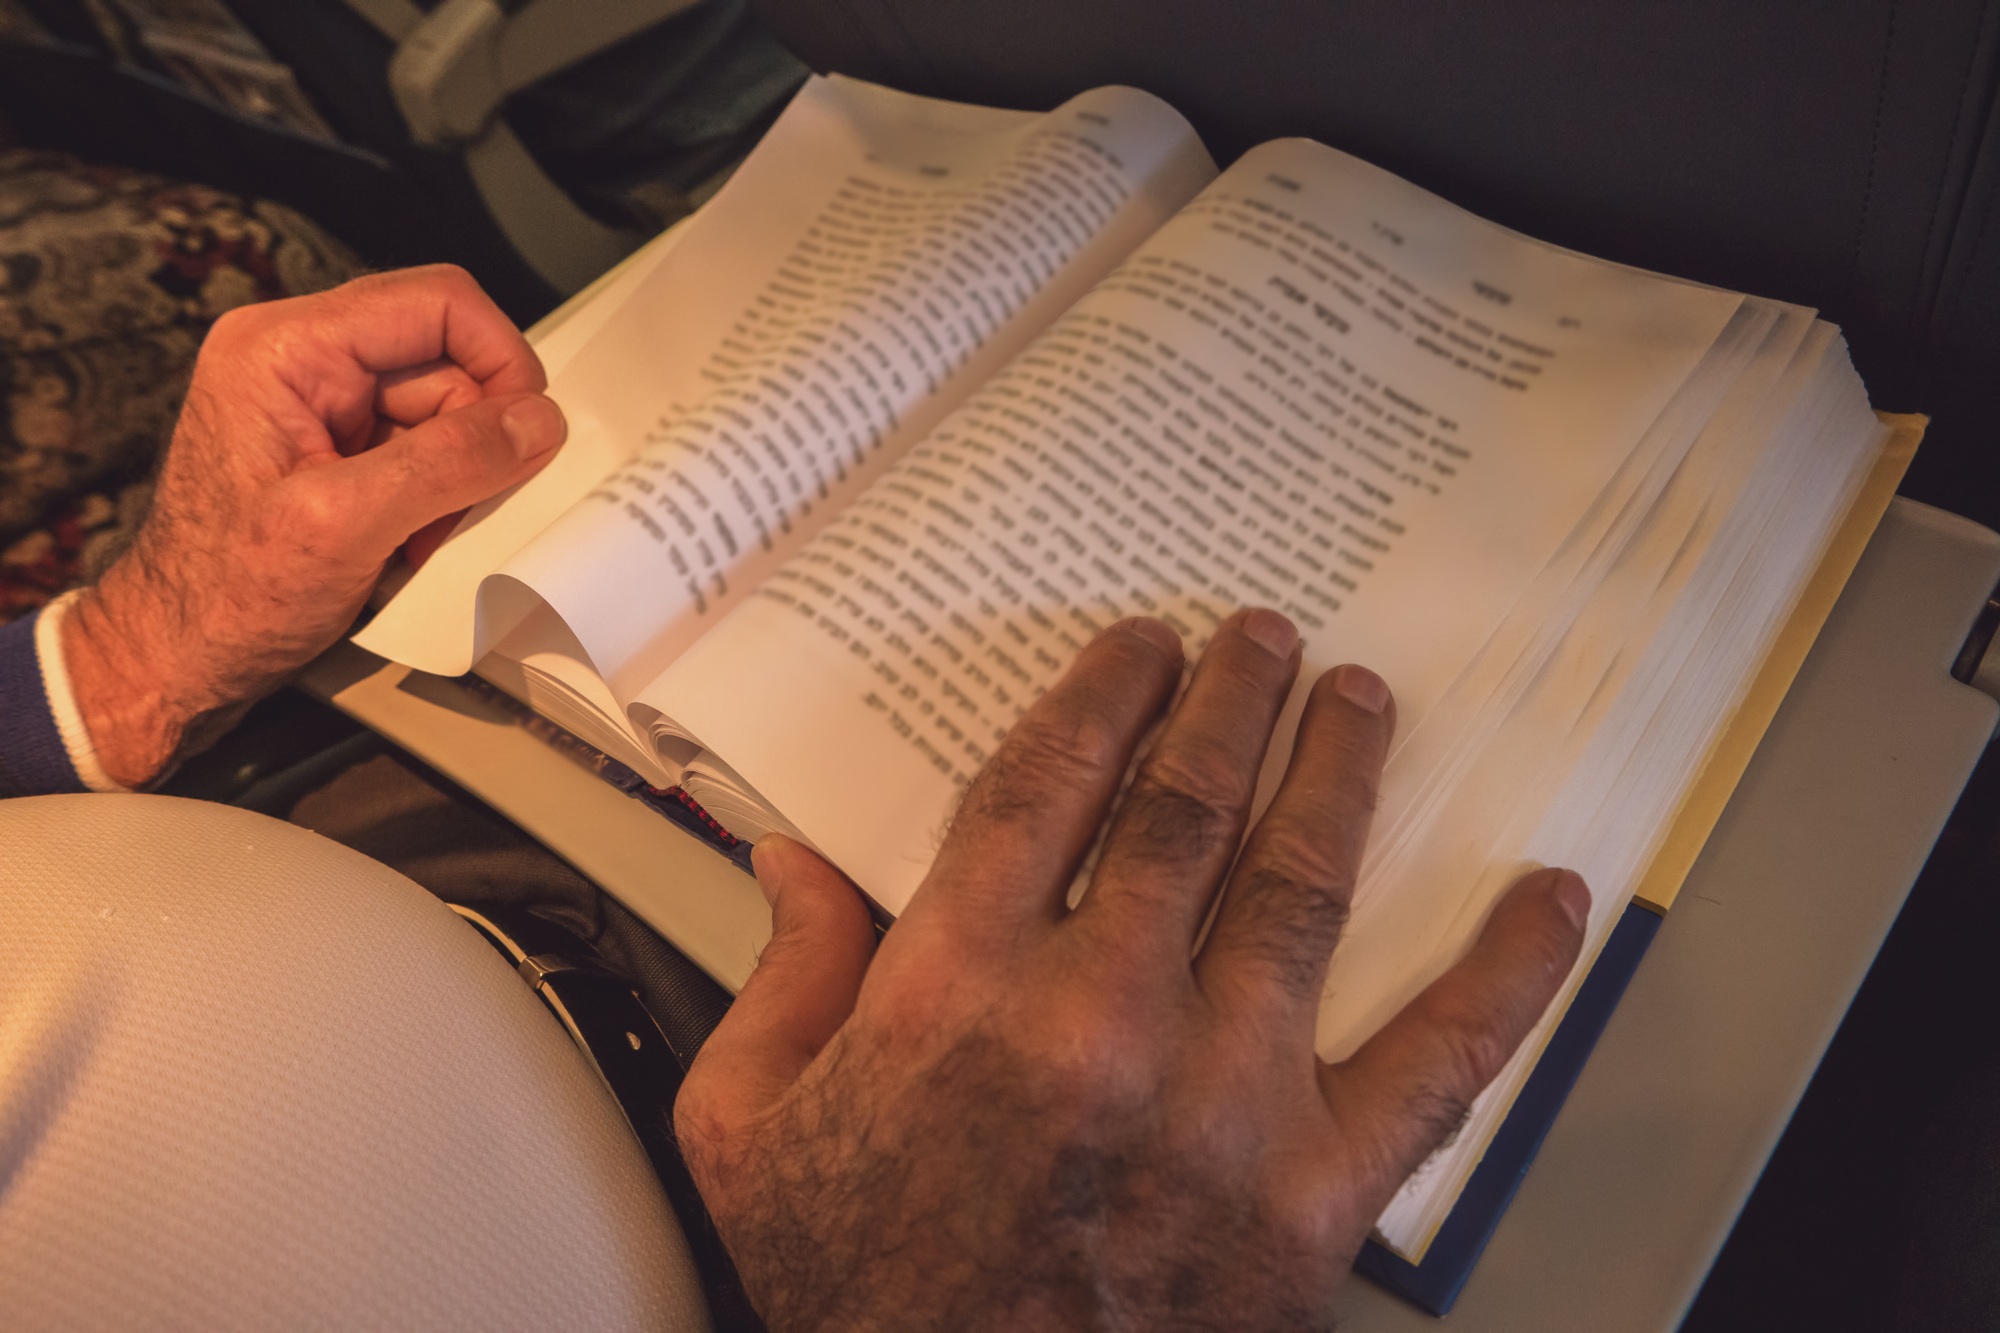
(1837, 153)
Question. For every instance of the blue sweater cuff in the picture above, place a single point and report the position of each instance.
(33, 759)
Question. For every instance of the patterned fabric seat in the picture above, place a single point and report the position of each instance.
(108, 280)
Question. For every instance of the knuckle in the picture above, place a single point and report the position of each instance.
(1095, 1058)
(703, 1130)
(697, 1119)
(1205, 772)
(1286, 926)
(446, 454)
(1304, 1216)
(239, 334)
(1318, 858)
(1438, 1111)
(267, 338)
(1071, 737)
(1003, 793)
(710, 1110)
(448, 275)
(1099, 1047)
(310, 517)
(1427, 1117)
(352, 295)
(231, 326)
(443, 440)
(1047, 751)
(450, 281)
(931, 992)
(1165, 821)
(1470, 1052)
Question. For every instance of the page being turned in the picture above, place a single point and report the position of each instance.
(1318, 389)
(433, 621)
(942, 238)
(875, 253)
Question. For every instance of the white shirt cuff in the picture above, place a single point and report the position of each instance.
(62, 701)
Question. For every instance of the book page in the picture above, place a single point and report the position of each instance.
(876, 254)
(1319, 389)
(1430, 758)
(1427, 858)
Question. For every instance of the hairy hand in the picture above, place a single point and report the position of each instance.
(319, 433)
(1021, 1115)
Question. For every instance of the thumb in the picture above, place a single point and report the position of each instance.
(1410, 1086)
(442, 465)
(802, 991)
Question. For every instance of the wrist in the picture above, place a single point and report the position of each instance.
(126, 677)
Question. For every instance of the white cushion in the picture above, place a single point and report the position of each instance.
(252, 1079)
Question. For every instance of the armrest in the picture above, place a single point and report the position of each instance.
(451, 70)
(454, 65)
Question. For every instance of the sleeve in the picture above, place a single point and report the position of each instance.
(44, 746)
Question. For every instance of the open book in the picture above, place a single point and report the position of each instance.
(863, 454)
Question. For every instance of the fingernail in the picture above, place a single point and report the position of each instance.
(1573, 896)
(1271, 632)
(534, 426)
(1156, 632)
(765, 860)
(1361, 687)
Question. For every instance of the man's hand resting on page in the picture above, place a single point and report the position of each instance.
(319, 434)
(1023, 1116)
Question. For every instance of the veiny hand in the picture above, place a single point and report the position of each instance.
(1022, 1116)
(319, 434)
